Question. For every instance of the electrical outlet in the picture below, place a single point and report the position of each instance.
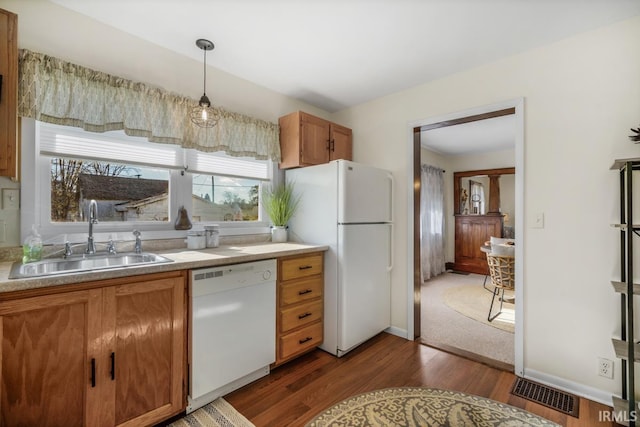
(605, 368)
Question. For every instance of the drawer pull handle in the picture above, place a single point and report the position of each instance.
(306, 291)
(305, 267)
(93, 372)
(302, 316)
(113, 366)
(305, 340)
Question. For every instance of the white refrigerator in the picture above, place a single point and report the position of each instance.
(348, 206)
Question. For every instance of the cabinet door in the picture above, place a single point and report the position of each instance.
(148, 349)
(48, 343)
(314, 138)
(341, 143)
(9, 96)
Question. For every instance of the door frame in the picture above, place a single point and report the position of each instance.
(413, 211)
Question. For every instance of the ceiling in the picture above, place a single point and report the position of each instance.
(494, 134)
(335, 54)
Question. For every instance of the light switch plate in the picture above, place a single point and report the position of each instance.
(10, 198)
(538, 220)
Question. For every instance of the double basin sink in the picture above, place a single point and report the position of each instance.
(79, 263)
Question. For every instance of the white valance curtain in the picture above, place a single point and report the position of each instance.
(432, 222)
(59, 92)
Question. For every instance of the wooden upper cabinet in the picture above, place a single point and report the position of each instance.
(314, 140)
(307, 140)
(8, 94)
(341, 146)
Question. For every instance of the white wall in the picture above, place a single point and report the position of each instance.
(581, 98)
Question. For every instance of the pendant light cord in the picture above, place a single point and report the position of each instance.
(204, 91)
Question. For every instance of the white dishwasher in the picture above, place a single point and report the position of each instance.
(233, 328)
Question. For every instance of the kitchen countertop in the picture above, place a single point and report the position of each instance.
(183, 259)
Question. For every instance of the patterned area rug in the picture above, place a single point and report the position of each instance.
(474, 301)
(218, 413)
(417, 406)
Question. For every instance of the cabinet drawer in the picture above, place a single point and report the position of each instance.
(302, 340)
(300, 315)
(301, 290)
(301, 267)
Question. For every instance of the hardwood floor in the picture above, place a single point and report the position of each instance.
(297, 391)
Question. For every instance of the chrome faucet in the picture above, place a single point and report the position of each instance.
(68, 250)
(93, 219)
(138, 246)
(111, 247)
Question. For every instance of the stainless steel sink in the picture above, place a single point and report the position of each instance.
(75, 264)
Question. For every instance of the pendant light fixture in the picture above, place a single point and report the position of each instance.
(203, 114)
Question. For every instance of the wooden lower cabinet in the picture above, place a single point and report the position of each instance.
(300, 311)
(48, 343)
(104, 356)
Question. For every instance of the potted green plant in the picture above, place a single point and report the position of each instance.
(280, 203)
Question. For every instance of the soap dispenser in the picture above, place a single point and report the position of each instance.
(32, 247)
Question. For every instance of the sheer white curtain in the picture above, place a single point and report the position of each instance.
(432, 222)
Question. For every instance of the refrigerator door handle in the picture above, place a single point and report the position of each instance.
(392, 185)
(391, 257)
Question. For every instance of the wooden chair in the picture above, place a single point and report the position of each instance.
(502, 273)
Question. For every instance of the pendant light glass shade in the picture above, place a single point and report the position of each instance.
(203, 115)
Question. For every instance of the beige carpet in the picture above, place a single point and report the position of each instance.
(473, 301)
(418, 406)
(443, 326)
(218, 413)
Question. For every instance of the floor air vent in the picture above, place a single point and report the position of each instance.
(547, 396)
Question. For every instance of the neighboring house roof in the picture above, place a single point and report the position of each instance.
(102, 187)
(139, 203)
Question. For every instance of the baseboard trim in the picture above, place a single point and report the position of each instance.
(402, 333)
(591, 393)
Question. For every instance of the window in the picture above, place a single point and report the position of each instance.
(136, 184)
(222, 198)
(123, 192)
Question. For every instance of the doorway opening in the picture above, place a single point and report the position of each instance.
(442, 291)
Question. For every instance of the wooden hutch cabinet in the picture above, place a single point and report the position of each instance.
(472, 230)
(8, 94)
(307, 140)
(471, 233)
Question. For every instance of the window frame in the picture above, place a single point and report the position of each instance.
(36, 209)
